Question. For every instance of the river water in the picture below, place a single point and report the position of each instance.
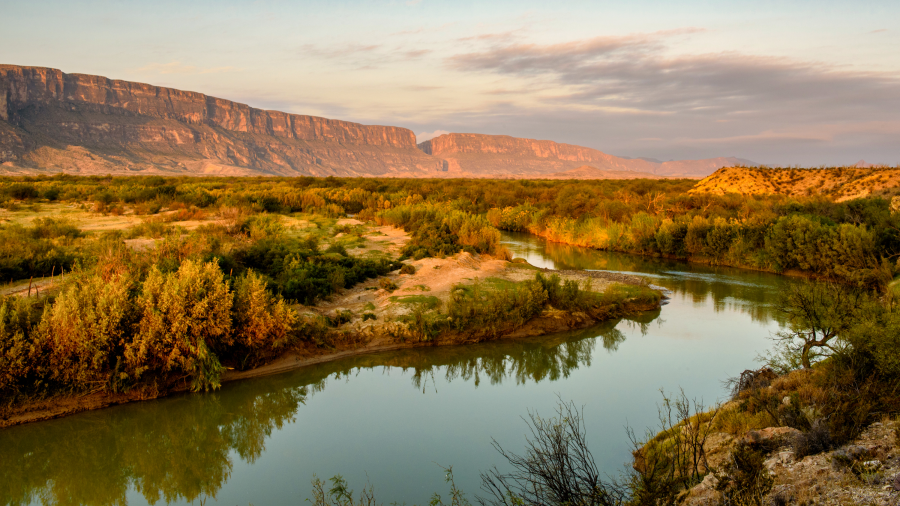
(395, 419)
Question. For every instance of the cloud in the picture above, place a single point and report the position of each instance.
(635, 74)
(424, 136)
(364, 56)
(176, 67)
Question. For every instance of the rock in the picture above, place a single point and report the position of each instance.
(870, 466)
(769, 436)
(896, 483)
(710, 482)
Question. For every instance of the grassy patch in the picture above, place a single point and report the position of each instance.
(426, 301)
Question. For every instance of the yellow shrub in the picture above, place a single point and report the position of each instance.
(83, 332)
(262, 322)
(185, 315)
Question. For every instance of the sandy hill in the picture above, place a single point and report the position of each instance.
(840, 183)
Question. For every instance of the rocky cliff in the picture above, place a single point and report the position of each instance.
(80, 123)
(482, 155)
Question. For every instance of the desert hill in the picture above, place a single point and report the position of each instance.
(478, 155)
(840, 183)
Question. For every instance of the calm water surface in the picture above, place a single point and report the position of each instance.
(394, 418)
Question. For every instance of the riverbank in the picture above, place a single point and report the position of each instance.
(376, 316)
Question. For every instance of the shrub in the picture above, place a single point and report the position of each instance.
(84, 332)
(816, 440)
(407, 269)
(746, 480)
(387, 284)
(262, 322)
(18, 318)
(185, 315)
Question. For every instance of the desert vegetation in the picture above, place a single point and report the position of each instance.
(855, 241)
(142, 285)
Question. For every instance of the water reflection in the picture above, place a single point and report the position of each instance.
(727, 289)
(181, 448)
(170, 449)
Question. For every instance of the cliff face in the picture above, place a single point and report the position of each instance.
(47, 115)
(478, 154)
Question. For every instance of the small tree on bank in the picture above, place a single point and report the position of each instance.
(817, 315)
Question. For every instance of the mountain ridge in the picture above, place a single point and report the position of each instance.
(51, 121)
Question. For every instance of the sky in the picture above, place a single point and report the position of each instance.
(805, 83)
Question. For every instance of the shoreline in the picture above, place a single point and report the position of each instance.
(550, 321)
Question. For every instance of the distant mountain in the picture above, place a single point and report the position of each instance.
(589, 172)
(478, 155)
(51, 122)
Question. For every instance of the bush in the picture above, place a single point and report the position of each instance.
(262, 322)
(489, 309)
(814, 441)
(387, 284)
(746, 480)
(83, 334)
(18, 319)
(407, 269)
(185, 315)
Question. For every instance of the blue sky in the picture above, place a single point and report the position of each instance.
(805, 83)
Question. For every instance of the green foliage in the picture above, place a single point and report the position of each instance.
(479, 307)
(262, 322)
(18, 318)
(185, 315)
(83, 334)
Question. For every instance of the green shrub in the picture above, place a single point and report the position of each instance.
(18, 320)
(408, 269)
(262, 323)
(83, 334)
(185, 315)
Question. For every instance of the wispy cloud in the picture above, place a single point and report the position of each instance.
(636, 73)
(176, 67)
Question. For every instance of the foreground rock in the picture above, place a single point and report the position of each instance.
(864, 472)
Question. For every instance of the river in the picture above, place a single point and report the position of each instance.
(395, 419)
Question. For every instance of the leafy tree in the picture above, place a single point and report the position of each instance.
(817, 315)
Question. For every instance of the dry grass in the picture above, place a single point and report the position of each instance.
(840, 183)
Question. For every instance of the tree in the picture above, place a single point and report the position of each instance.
(816, 314)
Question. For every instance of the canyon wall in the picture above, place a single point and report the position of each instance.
(54, 119)
(479, 155)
